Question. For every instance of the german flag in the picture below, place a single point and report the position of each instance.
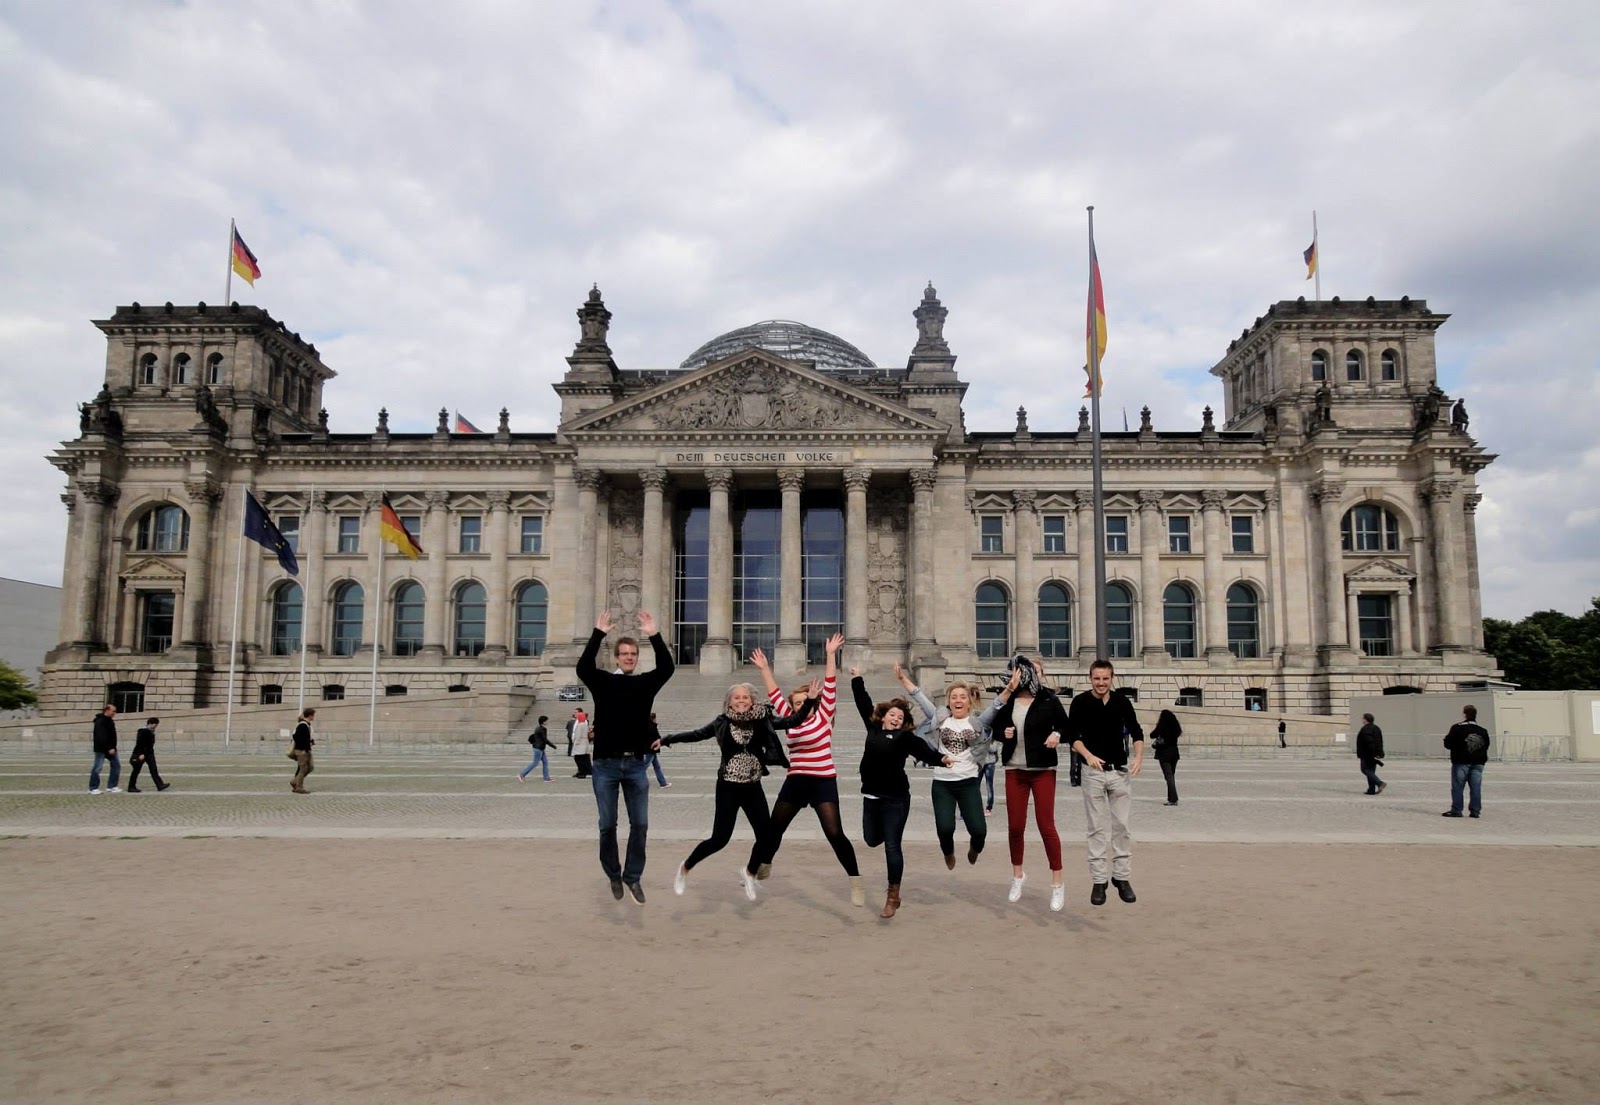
(394, 532)
(1094, 338)
(1311, 259)
(244, 262)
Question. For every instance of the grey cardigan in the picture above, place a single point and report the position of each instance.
(983, 746)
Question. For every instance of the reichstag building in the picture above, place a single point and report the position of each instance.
(1312, 542)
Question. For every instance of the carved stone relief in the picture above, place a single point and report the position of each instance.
(756, 396)
(625, 572)
(887, 551)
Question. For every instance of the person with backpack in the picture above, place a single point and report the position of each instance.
(1468, 743)
(1369, 753)
(540, 739)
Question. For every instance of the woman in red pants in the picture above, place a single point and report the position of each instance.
(1033, 724)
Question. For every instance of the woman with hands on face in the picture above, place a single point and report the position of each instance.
(1033, 724)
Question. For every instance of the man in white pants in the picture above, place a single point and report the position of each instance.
(1103, 723)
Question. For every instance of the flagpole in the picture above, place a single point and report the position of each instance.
(1316, 253)
(377, 621)
(233, 642)
(227, 295)
(1094, 431)
(305, 605)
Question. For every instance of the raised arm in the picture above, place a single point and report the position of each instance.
(799, 717)
(586, 669)
(864, 703)
(665, 665)
(764, 666)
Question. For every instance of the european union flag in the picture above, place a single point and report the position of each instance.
(259, 528)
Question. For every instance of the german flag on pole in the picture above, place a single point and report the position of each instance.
(244, 262)
(1311, 259)
(394, 532)
(1094, 338)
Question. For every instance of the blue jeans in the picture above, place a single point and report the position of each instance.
(627, 775)
(883, 821)
(1369, 768)
(986, 773)
(541, 758)
(94, 772)
(655, 761)
(1461, 776)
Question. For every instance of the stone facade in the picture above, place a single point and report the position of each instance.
(1318, 545)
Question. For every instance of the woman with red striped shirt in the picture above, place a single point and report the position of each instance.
(812, 780)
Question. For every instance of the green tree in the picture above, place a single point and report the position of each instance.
(1548, 650)
(14, 690)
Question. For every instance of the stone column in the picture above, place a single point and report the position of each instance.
(1402, 621)
(1216, 600)
(1469, 504)
(1328, 494)
(203, 496)
(1353, 617)
(1269, 613)
(855, 556)
(70, 585)
(1441, 494)
(435, 603)
(584, 567)
(375, 629)
(1025, 525)
(497, 603)
(651, 570)
(1151, 607)
(921, 586)
(313, 543)
(717, 654)
(1088, 603)
(791, 655)
(99, 495)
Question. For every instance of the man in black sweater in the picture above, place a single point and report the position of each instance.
(1103, 721)
(144, 755)
(621, 734)
(1468, 743)
(105, 749)
(1369, 753)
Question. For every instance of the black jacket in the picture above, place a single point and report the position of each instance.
(1456, 742)
(1165, 739)
(144, 741)
(764, 742)
(1045, 716)
(1106, 728)
(620, 722)
(1369, 743)
(302, 737)
(883, 760)
(105, 734)
(540, 738)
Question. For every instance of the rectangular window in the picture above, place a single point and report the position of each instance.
(333, 692)
(1116, 533)
(413, 526)
(271, 694)
(533, 535)
(155, 622)
(1178, 534)
(1244, 533)
(991, 533)
(289, 526)
(349, 533)
(1055, 533)
(471, 534)
(1376, 624)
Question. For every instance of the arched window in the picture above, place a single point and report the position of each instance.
(163, 529)
(1369, 528)
(1119, 621)
(409, 607)
(1177, 604)
(147, 369)
(993, 611)
(1352, 365)
(1055, 621)
(1388, 366)
(349, 607)
(471, 606)
(181, 367)
(288, 605)
(1244, 622)
(214, 369)
(533, 607)
(1319, 365)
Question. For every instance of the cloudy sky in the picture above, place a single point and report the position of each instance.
(432, 188)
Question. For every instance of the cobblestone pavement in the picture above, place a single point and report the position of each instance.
(474, 793)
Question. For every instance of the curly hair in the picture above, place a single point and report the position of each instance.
(882, 708)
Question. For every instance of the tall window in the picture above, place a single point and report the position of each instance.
(214, 369)
(991, 533)
(1119, 621)
(1178, 533)
(1244, 622)
(471, 608)
(155, 620)
(471, 533)
(412, 524)
(993, 622)
(147, 369)
(1319, 365)
(1177, 604)
(349, 533)
(821, 571)
(1055, 621)
(288, 606)
(532, 535)
(1244, 533)
(757, 574)
(348, 608)
(410, 605)
(1376, 618)
(1352, 365)
(690, 579)
(289, 526)
(182, 369)
(1369, 528)
(164, 529)
(1055, 533)
(1116, 533)
(532, 610)
(1388, 366)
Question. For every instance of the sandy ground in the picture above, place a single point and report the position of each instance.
(248, 970)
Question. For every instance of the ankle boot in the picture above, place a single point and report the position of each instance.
(892, 901)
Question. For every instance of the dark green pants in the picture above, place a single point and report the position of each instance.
(965, 795)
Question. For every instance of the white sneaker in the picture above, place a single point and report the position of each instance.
(1058, 897)
(94, 790)
(680, 882)
(748, 883)
(1016, 888)
(113, 790)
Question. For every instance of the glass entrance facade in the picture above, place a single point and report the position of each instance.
(691, 563)
(821, 572)
(757, 574)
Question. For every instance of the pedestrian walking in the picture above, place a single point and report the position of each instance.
(540, 739)
(144, 755)
(571, 721)
(301, 752)
(580, 747)
(653, 759)
(1164, 738)
(105, 750)
(1369, 753)
(1283, 733)
(1468, 743)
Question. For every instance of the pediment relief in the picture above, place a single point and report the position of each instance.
(1182, 503)
(755, 393)
(991, 502)
(1381, 569)
(153, 570)
(1057, 502)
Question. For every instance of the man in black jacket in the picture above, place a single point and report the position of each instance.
(621, 735)
(1369, 753)
(1468, 743)
(144, 755)
(1103, 724)
(105, 748)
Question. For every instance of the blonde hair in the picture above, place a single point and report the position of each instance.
(756, 700)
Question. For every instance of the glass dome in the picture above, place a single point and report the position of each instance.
(793, 340)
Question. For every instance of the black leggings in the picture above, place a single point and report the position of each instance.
(783, 812)
(731, 798)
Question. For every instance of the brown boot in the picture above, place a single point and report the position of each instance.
(892, 901)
